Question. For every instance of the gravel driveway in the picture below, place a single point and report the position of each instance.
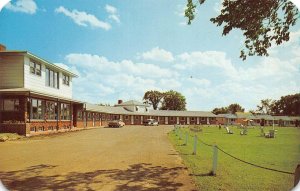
(129, 158)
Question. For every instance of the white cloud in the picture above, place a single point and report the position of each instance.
(113, 13)
(218, 6)
(158, 54)
(115, 18)
(24, 6)
(110, 9)
(171, 83)
(180, 9)
(208, 59)
(64, 66)
(82, 18)
(102, 65)
(199, 82)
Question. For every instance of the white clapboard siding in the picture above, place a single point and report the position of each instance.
(38, 83)
(11, 71)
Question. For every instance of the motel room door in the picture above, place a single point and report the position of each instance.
(94, 120)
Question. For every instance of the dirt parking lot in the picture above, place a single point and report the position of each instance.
(128, 158)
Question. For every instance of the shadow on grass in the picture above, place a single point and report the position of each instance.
(203, 174)
(143, 177)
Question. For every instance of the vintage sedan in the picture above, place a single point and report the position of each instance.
(116, 123)
(151, 122)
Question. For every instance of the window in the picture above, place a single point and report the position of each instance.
(89, 116)
(126, 117)
(136, 117)
(136, 108)
(172, 118)
(97, 116)
(79, 115)
(64, 111)
(37, 109)
(192, 119)
(51, 110)
(66, 79)
(52, 78)
(9, 105)
(35, 68)
(182, 118)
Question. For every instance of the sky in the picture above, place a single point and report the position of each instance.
(122, 48)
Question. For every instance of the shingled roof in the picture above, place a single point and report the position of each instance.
(122, 111)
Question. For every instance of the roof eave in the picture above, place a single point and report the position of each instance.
(51, 64)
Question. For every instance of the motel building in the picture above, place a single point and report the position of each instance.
(36, 98)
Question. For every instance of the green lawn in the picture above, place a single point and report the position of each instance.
(282, 153)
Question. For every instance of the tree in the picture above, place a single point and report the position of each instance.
(221, 110)
(153, 97)
(233, 108)
(262, 22)
(266, 106)
(103, 104)
(173, 100)
(287, 105)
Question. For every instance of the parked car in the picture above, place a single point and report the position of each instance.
(116, 123)
(151, 122)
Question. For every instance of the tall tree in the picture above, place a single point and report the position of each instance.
(233, 108)
(153, 97)
(263, 22)
(287, 105)
(221, 110)
(266, 106)
(173, 100)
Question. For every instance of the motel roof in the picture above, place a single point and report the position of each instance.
(227, 115)
(47, 63)
(173, 113)
(168, 113)
(265, 117)
(244, 115)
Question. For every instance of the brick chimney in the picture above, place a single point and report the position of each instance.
(120, 101)
(2, 48)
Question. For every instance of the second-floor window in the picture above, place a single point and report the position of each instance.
(66, 79)
(35, 68)
(52, 78)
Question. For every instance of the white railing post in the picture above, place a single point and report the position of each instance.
(215, 160)
(195, 145)
(180, 135)
(186, 138)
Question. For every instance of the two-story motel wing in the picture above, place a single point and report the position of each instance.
(36, 95)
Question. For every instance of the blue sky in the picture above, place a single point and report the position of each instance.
(120, 49)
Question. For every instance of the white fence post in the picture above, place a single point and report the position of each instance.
(186, 138)
(195, 145)
(180, 135)
(215, 160)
